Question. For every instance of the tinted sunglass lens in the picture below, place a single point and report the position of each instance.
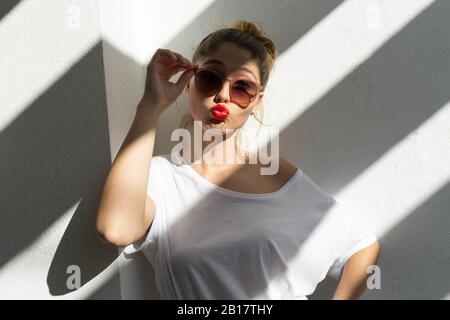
(207, 82)
(243, 91)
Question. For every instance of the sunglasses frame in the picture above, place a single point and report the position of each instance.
(259, 87)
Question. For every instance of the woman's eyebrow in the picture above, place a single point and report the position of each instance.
(215, 61)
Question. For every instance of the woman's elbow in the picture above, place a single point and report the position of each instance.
(112, 236)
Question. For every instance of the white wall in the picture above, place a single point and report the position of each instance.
(360, 94)
(54, 151)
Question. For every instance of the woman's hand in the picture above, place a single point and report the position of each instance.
(159, 91)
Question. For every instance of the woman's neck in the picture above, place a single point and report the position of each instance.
(221, 152)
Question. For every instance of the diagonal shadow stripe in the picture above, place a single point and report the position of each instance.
(6, 6)
(377, 105)
(416, 256)
(297, 18)
(110, 290)
(54, 154)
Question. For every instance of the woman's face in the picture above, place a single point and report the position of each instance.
(231, 62)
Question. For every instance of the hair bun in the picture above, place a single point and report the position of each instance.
(256, 30)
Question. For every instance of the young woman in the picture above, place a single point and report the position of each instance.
(215, 230)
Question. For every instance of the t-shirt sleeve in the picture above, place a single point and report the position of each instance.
(158, 168)
(358, 235)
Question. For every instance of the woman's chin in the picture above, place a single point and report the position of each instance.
(214, 123)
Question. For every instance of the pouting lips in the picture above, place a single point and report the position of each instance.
(219, 111)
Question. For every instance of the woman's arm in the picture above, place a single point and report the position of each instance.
(354, 276)
(123, 214)
(125, 210)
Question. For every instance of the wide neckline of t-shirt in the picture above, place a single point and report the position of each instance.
(216, 187)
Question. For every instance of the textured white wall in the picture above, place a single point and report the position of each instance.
(54, 151)
(360, 94)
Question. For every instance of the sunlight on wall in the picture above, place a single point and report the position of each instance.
(39, 42)
(145, 26)
(45, 38)
(24, 276)
(331, 50)
(162, 23)
(414, 170)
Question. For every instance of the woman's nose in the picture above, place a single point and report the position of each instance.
(224, 94)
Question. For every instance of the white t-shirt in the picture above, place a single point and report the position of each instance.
(209, 242)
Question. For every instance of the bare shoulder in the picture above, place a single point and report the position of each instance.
(286, 168)
(256, 182)
(286, 171)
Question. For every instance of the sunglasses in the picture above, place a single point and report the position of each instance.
(242, 91)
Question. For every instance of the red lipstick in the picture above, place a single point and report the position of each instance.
(219, 111)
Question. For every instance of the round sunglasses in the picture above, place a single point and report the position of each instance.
(242, 91)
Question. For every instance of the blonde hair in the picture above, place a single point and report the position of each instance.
(246, 35)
